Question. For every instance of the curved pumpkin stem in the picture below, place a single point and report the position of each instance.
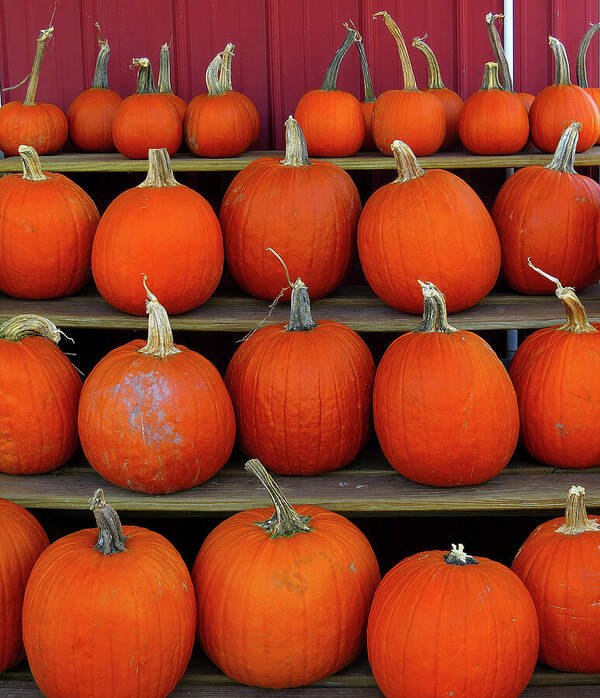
(160, 171)
(296, 152)
(457, 556)
(160, 336)
(407, 70)
(562, 74)
(225, 69)
(34, 78)
(434, 75)
(32, 167)
(505, 76)
(164, 71)
(331, 74)
(435, 315)
(21, 326)
(564, 155)
(406, 163)
(366, 73)
(145, 76)
(212, 76)
(300, 314)
(576, 518)
(286, 521)
(582, 80)
(490, 79)
(101, 71)
(110, 532)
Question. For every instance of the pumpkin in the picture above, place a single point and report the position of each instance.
(449, 624)
(556, 374)
(155, 417)
(559, 564)
(415, 117)
(22, 539)
(444, 408)
(164, 81)
(561, 103)
(332, 120)
(224, 122)
(38, 124)
(146, 119)
(47, 225)
(582, 79)
(39, 392)
(427, 224)
(302, 392)
(451, 102)
(550, 214)
(92, 112)
(307, 211)
(493, 122)
(283, 594)
(164, 229)
(109, 612)
(368, 103)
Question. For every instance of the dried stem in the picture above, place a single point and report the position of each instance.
(331, 74)
(576, 518)
(407, 70)
(21, 326)
(490, 77)
(296, 152)
(45, 34)
(32, 167)
(160, 337)
(434, 75)
(582, 80)
(564, 155)
(505, 76)
(110, 532)
(562, 75)
(435, 315)
(160, 172)
(457, 556)
(406, 162)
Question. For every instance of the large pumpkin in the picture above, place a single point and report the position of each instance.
(283, 593)
(427, 224)
(368, 103)
(302, 392)
(449, 624)
(164, 82)
(22, 539)
(163, 229)
(306, 211)
(109, 612)
(39, 392)
(47, 225)
(559, 564)
(550, 214)
(155, 417)
(445, 410)
(582, 79)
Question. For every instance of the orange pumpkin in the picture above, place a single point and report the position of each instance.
(156, 417)
(306, 211)
(449, 624)
(369, 101)
(445, 410)
(427, 224)
(415, 117)
(582, 79)
(38, 397)
(109, 612)
(164, 81)
(283, 594)
(163, 229)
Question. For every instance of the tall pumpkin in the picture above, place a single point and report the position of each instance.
(559, 564)
(449, 624)
(427, 224)
(582, 79)
(550, 214)
(415, 117)
(164, 81)
(368, 104)
(109, 612)
(445, 410)
(163, 229)
(302, 392)
(307, 211)
(155, 417)
(283, 594)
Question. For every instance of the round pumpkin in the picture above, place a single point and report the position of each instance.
(449, 624)
(156, 417)
(22, 539)
(39, 392)
(163, 229)
(109, 612)
(444, 408)
(283, 594)
(164, 82)
(47, 225)
(559, 564)
(306, 211)
(550, 214)
(582, 79)
(302, 392)
(368, 103)
(427, 224)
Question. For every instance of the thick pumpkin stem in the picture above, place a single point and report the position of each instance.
(160, 336)
(145, 76)
(225, 69)
(300, 314)
(164, 72)
(457, 556)
(490, 77)
(101, 72)
(434, 75)
(32, 167)
(286, 521)
(160, 172)
(562, 74)
(21, 326)
(435, 315)
(331, 74)
(577, 321)
(582, 80)
(407, 70)
(212, 76)
(576, 518)
(366, 73)
(110, 532)
(564, 155)
(296, 152)
(406, 163)
(34, 79)
(505, 76)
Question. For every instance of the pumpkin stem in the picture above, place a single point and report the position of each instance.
(160, 172)
(32, 167)
(576, 518)
(331, 74)
(562, 75)
(164, 72)
(577, 321)
(160, 336)
(101, 72)
(296, 153)
(225, 69)
(286, 521)
(406, 163)
(110, 532)
(564, 155)
(490, 77)
(366, 73)
(21, 326)
(145, 76)
(300, 314)
(506, 78)
(582, 80)
(34, 78)
(457, 556)
(435, 315)
(212, 76)
(434, 75)
(407, 70)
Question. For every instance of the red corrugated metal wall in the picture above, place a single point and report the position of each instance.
(282, 46)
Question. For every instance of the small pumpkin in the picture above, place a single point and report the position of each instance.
(164, 81)
(39, 393)
(110, 609)
(368, 103)
(283, 594)
(446, 623)
(582, 79)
